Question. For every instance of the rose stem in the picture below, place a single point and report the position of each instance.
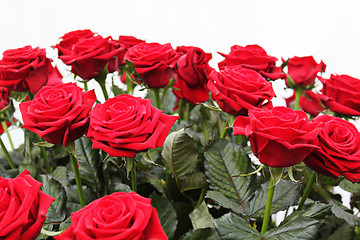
(44, 156)
(5, 127)
(187, 111)
(223, 132)
(268, 207)
(7, 155)
(180, 109)
(75, 165)
(307, 190)
(103, 88)
(86, 86)
(298, 93)
(157, 97)
(133, 178)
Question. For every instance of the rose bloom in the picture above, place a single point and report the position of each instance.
(58, 114)
(127, 42)
(90, 56)
(303, 70)
(280, 137)
(70, 38)
(253, 57)
(125, 125)
(23, 207)
(55, 77)
(237, 89)
(24, 69)
(341, 94)
(113, 217)
(309, 102)
(191, 74)
(339, 152)
(154, 62)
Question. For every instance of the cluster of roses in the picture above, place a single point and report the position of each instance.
(125, 125)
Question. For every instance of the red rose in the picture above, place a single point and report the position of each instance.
(253, 57)
(89, 56)
(58, 114)
(4, 98)
(309, 102)
(339, 152)
(154, 62)
(280, 137)
(23, 207)
(303, 70)
(341, 94)
(125, 125)
(113, 217)
(70, 38)
(236, 90)
(24, 69)
(129, 41)
(191, 74)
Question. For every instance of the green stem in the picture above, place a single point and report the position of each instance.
(103, 88)
(202, 196)
(5, 127)
(307, 190)
(157, 97)
(133, 178)
(7, 155)
(75, 165)
(86, 86)
(268, 208)
(180, 109)
(187, 111)
(298, 93)
(44, 156)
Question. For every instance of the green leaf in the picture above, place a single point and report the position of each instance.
(200, 217)
(180, 153)
(44, 144)
(88, 162)
(231, 227)
(224, 161)
(202, 234)
(225, 202)
(300, 229)
(167, 214)
(344, 232)
(60, 174)
(52, 187)
(349, 186)
(31, 168)
(286, 194)
(340, 212)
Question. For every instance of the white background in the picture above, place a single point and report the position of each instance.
(326, 29)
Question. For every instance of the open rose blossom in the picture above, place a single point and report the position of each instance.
(237, 89)
(58, 114)
(154, 62)
(125, 125)
(24, 69)
(339, 152)
(280, 137)
(69, 39)
(253, 57)
(303, 70)
(90, 55)
(23, 207)
(341, 94)
(113, 217)
(192, 74)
